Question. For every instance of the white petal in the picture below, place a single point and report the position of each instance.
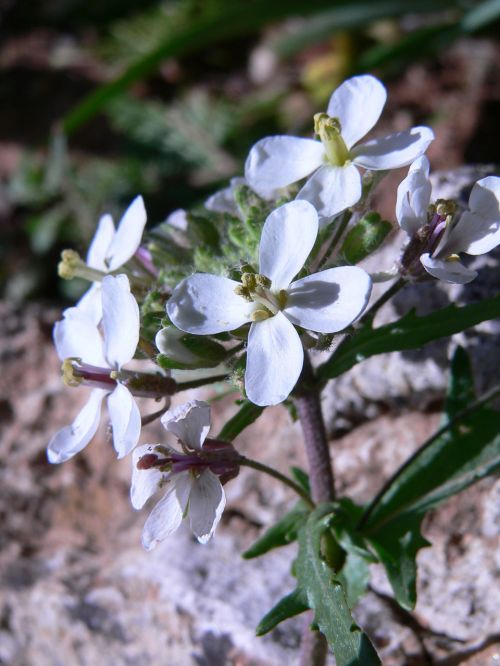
(357, 103)
(178, 219)
(447, 271)
(77, 336)
(393, 151)
(125, 420)
(168, 341)
(278, 161)
(163, 520)
(328, 301)
(183, 484)
(205, 304)
(206, 504)
(478, 231)
(120, 320)
(72, 439)
(128, 235)
(414, 195)
(145, 482)
(485, 197)
(91, 303)
(332, 189)
(98, 249)
(274, 360)
(288, 236)
(189, 422)
(222, 202)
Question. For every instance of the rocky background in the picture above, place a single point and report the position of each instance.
(76, 587)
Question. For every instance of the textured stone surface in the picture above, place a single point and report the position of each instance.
(76, 588)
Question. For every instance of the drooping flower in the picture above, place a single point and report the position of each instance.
(335, 183)
(438, 235)
(90, 358)
(111, 248)
(325, 302)
(191, 477)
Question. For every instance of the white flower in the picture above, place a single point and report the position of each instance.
(223, 201)
(476, 231)
(191, 488)
(325, 302)
(111, 248)
(89, 359)
(335, 184)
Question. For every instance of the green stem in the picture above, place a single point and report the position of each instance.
(260, 467)
(369, 315)
(487, 397)
(195, 383)
(325, 253)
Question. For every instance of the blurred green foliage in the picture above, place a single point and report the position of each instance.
(165, 98)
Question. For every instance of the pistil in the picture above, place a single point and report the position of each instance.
(329, 131)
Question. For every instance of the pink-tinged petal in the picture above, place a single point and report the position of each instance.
(125, 420)
(206, 504)
(278, 161)
(98, 250)
(91, 303)
(163, 520)
(414, 195)
(205, 304)
(145, 482)
(120, 320)
(274, 360)
(77, 336)
(332, 189)
(189, 422)
(288, 236)
(72, 439)
(357, 103)
(328, 301)
(447, 271)
(128, 235)
(393, 151)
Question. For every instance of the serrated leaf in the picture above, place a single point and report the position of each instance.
(327, 597)
(245, 416)
(462, 452)
(287, 607)
(282, 533)
(365, 237)
(409, 332)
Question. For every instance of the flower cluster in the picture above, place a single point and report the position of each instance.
(275, 285)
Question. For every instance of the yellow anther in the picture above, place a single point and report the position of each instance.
(446, 207)
(329, 131)
(282, 298)
(263, 281)
(260, 314)
(68, 373)
(67, 268)
(453, 257)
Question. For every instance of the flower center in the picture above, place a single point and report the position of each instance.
(330, 132)
(256, 288)
(75, 373)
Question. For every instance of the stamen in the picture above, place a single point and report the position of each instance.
(75, 373)
(329, 131)
(71, 266)
(260, 314)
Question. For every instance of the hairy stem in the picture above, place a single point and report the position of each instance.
(247, 462)
(314, 647)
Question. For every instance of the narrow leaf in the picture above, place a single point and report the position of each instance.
(327, 597)
(409, 332)
(289, 606)
(245, 416)
(281, 534)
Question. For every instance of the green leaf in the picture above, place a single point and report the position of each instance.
(289, 606)
(365, 237)
(354, 576)
(327, 597)
(463, 451)
(246, 415)
(285, 531)
(409, 332)
(302, 478)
